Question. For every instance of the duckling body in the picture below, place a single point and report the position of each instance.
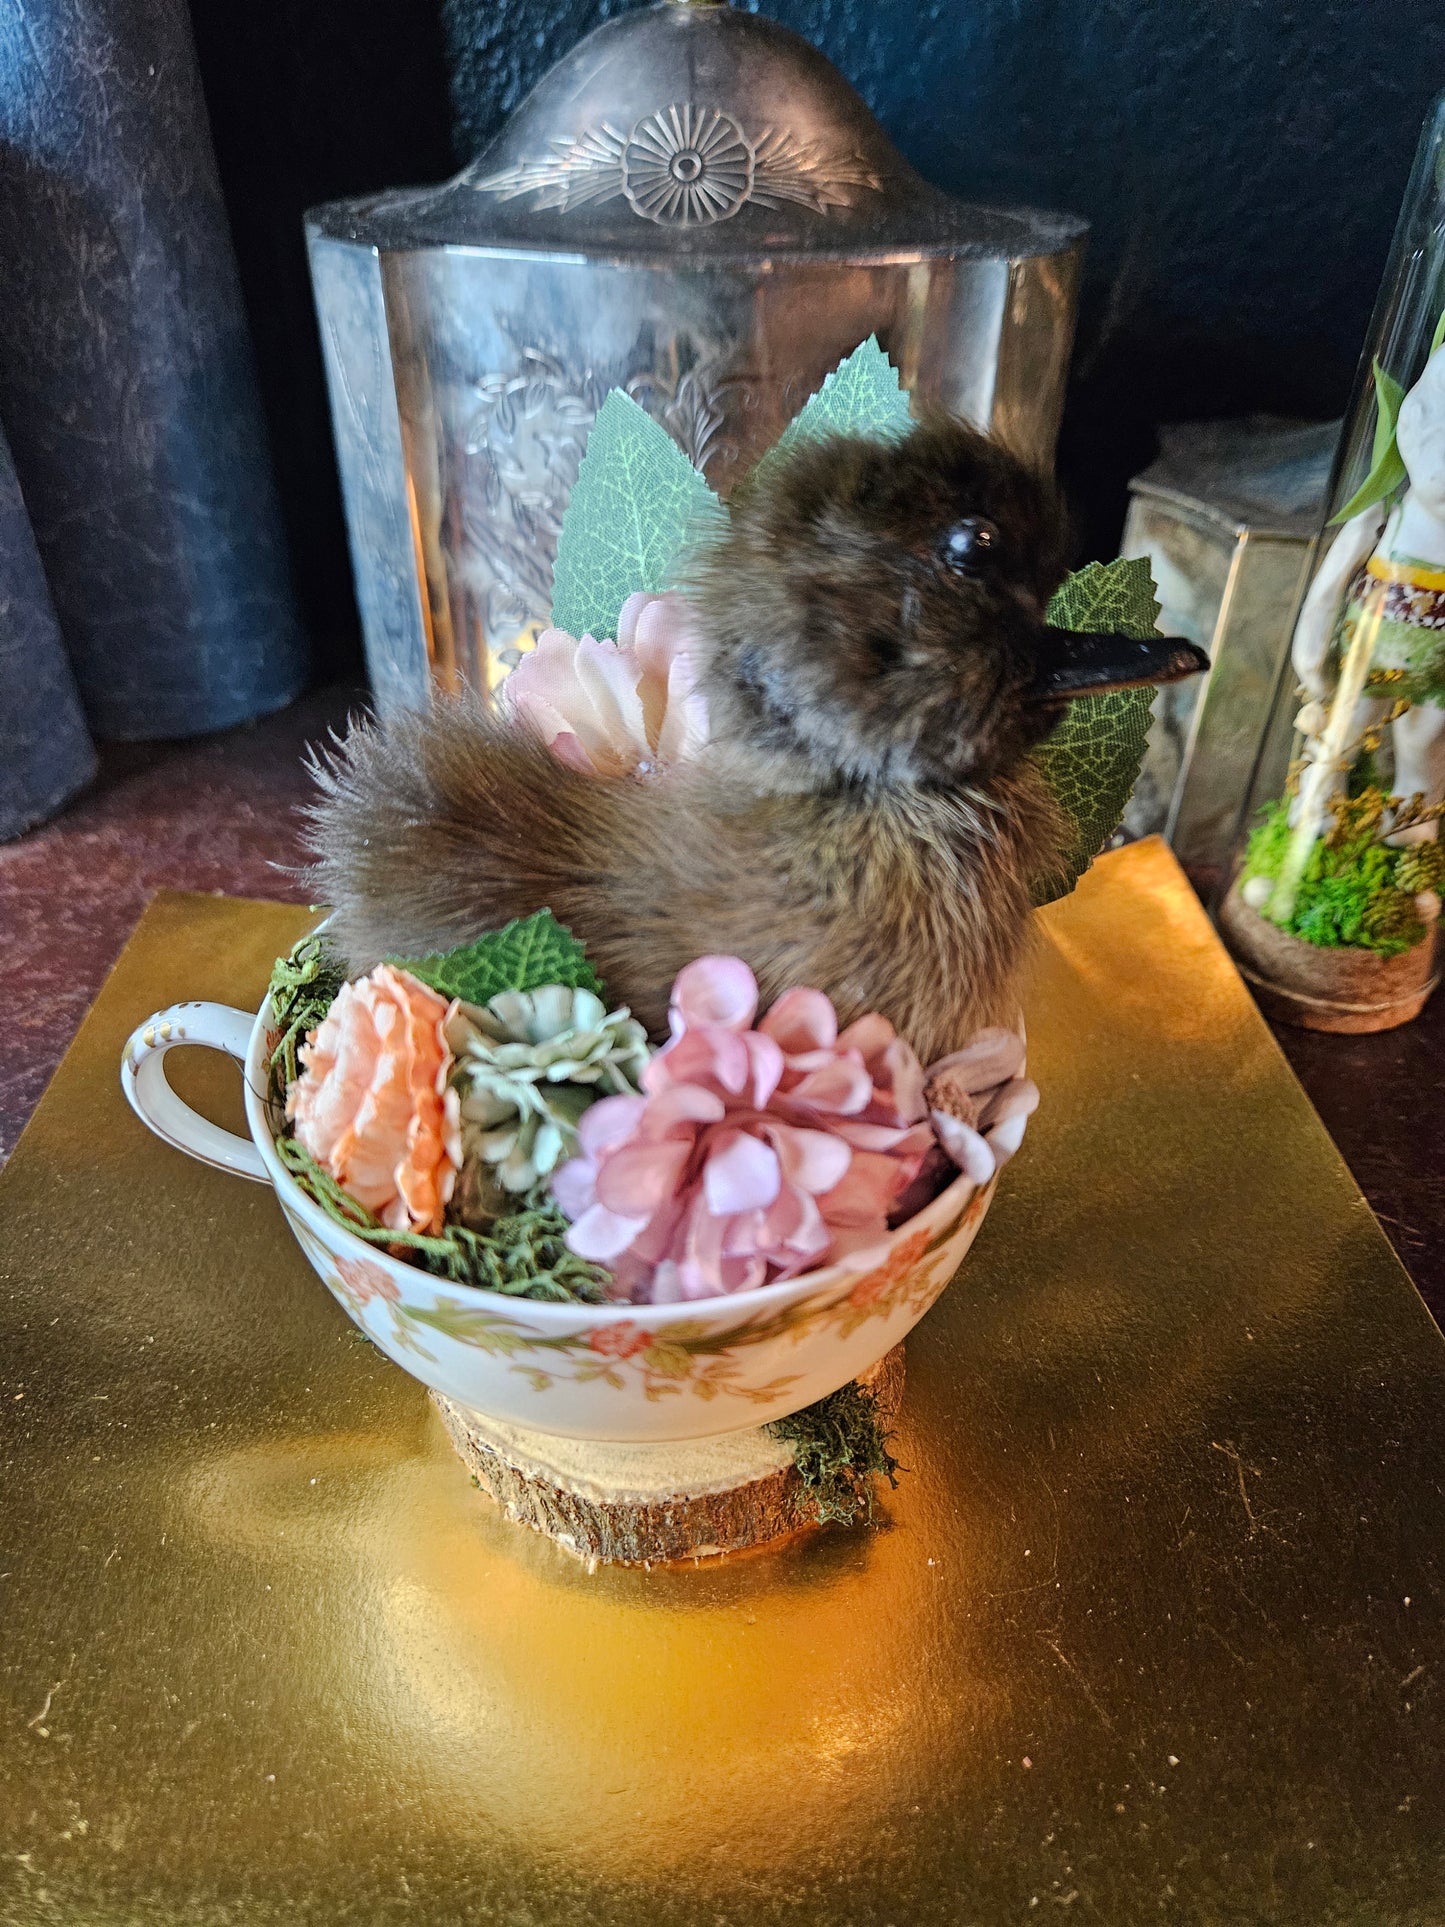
(913, 903)
(865, 818)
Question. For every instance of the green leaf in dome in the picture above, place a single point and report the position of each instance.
(524, 955)
(1387, 468)
(1092, 760)
(862, 396)
(637, 503)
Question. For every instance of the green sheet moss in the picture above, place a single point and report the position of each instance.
(1358, 892)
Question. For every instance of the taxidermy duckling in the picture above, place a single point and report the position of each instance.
(864, 819)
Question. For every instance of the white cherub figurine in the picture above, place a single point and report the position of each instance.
(1372, 629)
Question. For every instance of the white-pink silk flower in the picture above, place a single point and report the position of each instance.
(622, 708)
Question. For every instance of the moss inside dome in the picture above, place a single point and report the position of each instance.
(1357, 891)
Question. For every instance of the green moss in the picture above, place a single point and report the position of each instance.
(839, 1448)
(524, 1255)
(303, 987)
(1353, 894)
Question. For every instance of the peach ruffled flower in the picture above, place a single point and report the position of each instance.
(372, 1104)
(620, 708)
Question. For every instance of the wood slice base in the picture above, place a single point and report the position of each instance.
(646, 1505)
(1352, 992)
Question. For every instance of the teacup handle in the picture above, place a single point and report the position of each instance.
(143, 1079)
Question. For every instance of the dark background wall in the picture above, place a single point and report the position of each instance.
(1241, 161)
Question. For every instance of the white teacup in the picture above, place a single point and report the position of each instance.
(626, 1372)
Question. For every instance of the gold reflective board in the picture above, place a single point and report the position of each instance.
(1153, 1631)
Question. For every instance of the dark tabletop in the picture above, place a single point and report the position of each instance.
(220, 814)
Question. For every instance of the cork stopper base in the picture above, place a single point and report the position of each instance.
(647, 1505)
(1352, 992)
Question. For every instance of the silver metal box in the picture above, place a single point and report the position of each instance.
(693, 205)
(1227, 517)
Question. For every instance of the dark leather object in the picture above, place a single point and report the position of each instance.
(126, 383)
(45, 753)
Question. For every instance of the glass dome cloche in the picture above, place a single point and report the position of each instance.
(1333, 913)
(695, 206)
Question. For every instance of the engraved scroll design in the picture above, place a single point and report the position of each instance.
(686, 166)
(694, 409)
(521, 450)
(516, 465)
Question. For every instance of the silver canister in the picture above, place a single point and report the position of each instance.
(1227, 518)
(692, 205)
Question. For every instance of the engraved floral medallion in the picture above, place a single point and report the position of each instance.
(685, 166)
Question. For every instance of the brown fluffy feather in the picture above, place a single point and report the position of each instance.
(865, 819)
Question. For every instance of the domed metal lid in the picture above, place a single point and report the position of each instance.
(694, 129)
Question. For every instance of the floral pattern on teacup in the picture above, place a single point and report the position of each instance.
(358, 1281)
(688, 1356)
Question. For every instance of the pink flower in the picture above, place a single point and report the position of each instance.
(614, 708)
(372, 1103)
(751, 1154)
(980, 1101)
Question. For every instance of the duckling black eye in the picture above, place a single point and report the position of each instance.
(968, 546)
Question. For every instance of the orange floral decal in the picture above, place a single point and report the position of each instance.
(622, 1340)
(900, 1263)
(360, 1281)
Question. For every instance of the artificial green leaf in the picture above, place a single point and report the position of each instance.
(1091, 762)
(637, 503)
(862, 396)
(524, 955)
(1388, 396)
(1116, 595)
(1387, 468)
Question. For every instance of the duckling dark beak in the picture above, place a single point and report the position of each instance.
(1076, 662)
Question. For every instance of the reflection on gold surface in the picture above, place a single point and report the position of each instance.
(488, 1657)
(1134, 1643)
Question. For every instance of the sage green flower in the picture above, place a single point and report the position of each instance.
(527, 1066)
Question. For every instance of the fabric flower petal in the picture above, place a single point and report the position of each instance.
(639, 1178)
(601, 1234)
(679, 1108)
(1005, 1138)
(627, 617)
(612, 1120)
(991, 1058)
(841, 1085)
(802, 1020)
(963, 1144)
(714, 990)
(614, 708)
(1018, 1098)
(866, 1193)
(812, 1161)
(741, 1174)
(608, 677)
